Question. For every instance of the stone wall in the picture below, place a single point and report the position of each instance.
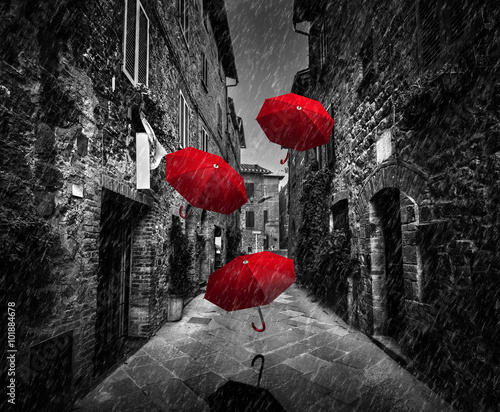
(426, 127)
(68, 121)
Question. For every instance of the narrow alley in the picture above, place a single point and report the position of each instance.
(314, 362)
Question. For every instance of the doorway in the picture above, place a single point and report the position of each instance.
(113, 288)
(387, 263)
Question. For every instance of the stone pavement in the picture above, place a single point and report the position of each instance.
(314, 362)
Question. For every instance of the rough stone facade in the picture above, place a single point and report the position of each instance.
(415, 155)
(77, 236)
(263, 205)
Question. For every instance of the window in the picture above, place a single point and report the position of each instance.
(205, 16)
(204, 140)
(319, 156)
(183, 121)
(136, 43)
(250, 218)
(204, 71)
(429, 21)
(219, 118)
(266, 216)
(249, 187)
(330, 146)
(183, 16)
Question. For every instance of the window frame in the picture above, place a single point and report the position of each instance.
(134, 78)
(183, 128)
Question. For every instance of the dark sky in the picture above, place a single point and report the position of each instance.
(268, 53)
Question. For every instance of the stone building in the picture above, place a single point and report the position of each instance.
(260, 216)
(87, 90)
(415, 159)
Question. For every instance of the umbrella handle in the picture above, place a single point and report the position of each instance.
(180, 213)
(262, 320)
(261, 366)
(283, 161)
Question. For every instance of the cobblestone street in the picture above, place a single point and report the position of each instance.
(313, 362)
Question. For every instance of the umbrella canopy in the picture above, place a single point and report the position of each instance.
(295, 122)
(250, 281)
(205, 180)
(240, 397)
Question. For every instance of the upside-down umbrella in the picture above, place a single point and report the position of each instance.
(295, 122)
(240, 397)
(250, 281)
(205, 180)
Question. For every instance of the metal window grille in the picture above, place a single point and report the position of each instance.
(136, 43)
(183, 121)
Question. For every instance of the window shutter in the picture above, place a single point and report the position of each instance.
(143, 55)
(129, 41)
(266, 216)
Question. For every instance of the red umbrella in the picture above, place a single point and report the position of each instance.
(249, 281)
(295, 122)
(205, 180)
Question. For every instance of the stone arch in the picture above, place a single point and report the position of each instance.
(392, 193)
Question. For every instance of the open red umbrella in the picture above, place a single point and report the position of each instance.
(296, 122)
(250, 281)
(205, 180)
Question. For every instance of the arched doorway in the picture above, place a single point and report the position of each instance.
(387, 262)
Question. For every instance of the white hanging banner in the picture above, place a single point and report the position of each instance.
(142, 160)
(157, 150)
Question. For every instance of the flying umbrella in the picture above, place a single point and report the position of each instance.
(205, 180)
(240, 397)
(296, 122)
(250, 281)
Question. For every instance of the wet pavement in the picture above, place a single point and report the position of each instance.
(314, 362)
